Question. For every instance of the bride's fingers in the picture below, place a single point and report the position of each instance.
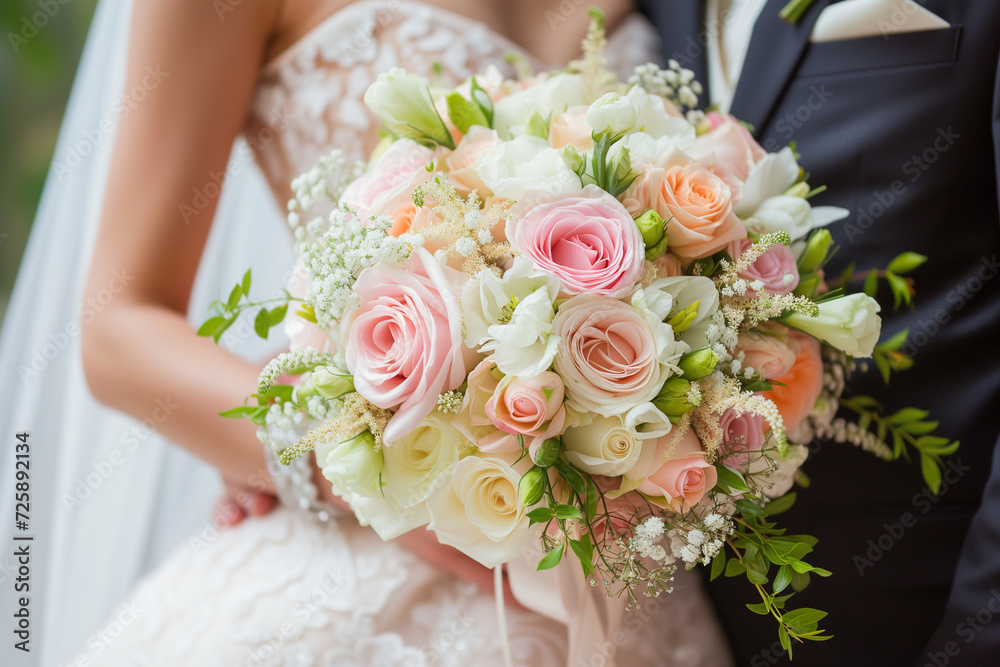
(227, 513)
(259, 504)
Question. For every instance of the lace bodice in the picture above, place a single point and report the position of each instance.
(310, 99)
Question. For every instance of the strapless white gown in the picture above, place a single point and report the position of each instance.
(287, 589)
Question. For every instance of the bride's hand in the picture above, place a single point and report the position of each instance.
(240, 500)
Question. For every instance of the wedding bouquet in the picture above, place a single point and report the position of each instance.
(575, 313)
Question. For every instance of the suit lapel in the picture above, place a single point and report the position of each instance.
(775, 52)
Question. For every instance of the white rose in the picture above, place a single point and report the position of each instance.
(512, 316)
(387, 518)
(612, 114)
(418, 462)
(479, 511)
(654, 121)
(403, 101)
(553, 95)
(850, 323)
(352, 467)
(526, 163)
(603, 446)
(771, 176)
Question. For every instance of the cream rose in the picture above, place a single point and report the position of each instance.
(419, 461)
(604, 446)
(480, 512)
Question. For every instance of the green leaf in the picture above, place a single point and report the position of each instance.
(900, 290)
(718, 565)
(552, 558)
(871, 283)
(847, 274)
(800, 580)
(567, 512)
(803, 618)
(759, 608)
(786, 643)
(591, 501)
(896, 341)
(780, 505)
(907, 415)
(906, 262)
(584, 550)
(221, 329)
(748, 507)
(464, 114)
(863, 401)
(245, 284)
(931, 472)
(277, 315)
(734, 568)
(209, 326)
(483, 100)
(756, 577)
(234, 297)
(262, 323)
(541, 515)
(782, 579)
(732, 479)
(920, 428)
(240, 412)
(572, 476)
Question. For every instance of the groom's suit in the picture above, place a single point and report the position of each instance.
(904, 129)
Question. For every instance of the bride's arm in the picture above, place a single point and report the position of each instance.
(199, 71)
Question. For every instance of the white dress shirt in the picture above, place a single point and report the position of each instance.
(729, 25)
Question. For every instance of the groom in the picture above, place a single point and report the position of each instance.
(904, 128)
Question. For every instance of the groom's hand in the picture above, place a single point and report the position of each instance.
(241, 499)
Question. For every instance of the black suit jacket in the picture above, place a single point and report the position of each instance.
(904, 130)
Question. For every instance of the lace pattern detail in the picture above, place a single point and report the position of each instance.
(296, 489)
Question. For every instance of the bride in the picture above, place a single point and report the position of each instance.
(303, 584)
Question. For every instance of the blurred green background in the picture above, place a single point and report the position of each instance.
(38, 58)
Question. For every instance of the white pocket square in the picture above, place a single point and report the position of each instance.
(865, 18)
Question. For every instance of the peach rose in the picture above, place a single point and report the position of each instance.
(730, 143)
(461, 163)
(668, 266)
(802, 384)
(684, 478)
(607, 357)
(472, 420)
(531, 407)
(570, 127)
(696, 204)
(767, 350)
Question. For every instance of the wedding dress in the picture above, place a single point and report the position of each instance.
(294, 588)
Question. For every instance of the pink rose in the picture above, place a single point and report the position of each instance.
(404, 344)
(588, 241)
(607, 358)
(742, 436)
(530, 407)
(390, 181)
(766, 349)
(461, 170)
(730, 143)
(697, 205)
(668, 266)
(570, 127)
(776, 268)
(472, 420)
(684, 478)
